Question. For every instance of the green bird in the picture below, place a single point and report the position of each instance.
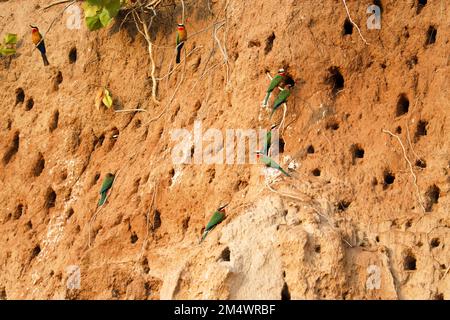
(280, 77)
(106, 185)
(282, 97)
(217, 217)
(268, 141)
(270, 163)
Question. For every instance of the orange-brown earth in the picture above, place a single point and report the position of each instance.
(362, 218)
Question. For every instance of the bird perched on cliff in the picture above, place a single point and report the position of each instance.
(106, 185)
(36, 37)
(268, 140)
(181, 38)
(270, 163)
(217, 217)
(275, 82)
(282, 97)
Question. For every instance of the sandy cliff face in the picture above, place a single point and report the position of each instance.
(365, 216)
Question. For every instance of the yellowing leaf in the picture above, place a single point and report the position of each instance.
(7, 51)
(10, 38)
(107, 100)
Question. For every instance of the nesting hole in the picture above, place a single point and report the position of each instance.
(98, 141)
(421, 129)
(18, 212)
(316, 172)
(29, 105)
(402, 105)
(54, 121)
(348, 27)
(226, 254)
(50, 198)
(73, 55)
(35, 252)
(398, 130)
(310, 149)
(281, 145)
(435, 242)
(335, 80)
(134, 238)
(379, 4)
(332, 125)
(421, 163)
(432, 197)
(431, 35)
(58, 80)
(438, 296)
(343, 205)
(409, 263)
(20, 95)
(69, 213)
(95, 179)
(39, 165)
(12, 150)
(388, 177)
(420, 5)
(156, 220)
(285, 294)
(357, 152)
(269, 43)
(145, 266)
(114, 136)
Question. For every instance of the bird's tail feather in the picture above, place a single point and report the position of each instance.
(284, 172)
(102, 199)
(44, 57)
(266, 99)
(180, 46)
(204, 236)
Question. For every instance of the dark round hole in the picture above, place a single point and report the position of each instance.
(29, 105)
(402, 105)
(20, 95)
(348, 27)
(310, 149)
(73, 55)
(409, 263)
(388, 178)
(316, 172)
(431, 35)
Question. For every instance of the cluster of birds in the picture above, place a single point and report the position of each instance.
(263, 155)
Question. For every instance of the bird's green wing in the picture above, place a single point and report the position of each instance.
(216, 218)
(178, 38)
(107, 183)
(282, 97)
(275, 165)
(274, 83)
(267, 143)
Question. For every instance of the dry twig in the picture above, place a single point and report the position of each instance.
(350, 18)
(419, 198)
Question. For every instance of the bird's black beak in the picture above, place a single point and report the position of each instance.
(33, 27)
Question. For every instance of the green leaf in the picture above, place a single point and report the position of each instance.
(10, 38)
(113, 7)
(93, 23)
(104, 17)
(107, 100)
(7, 51)
(90, 10)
